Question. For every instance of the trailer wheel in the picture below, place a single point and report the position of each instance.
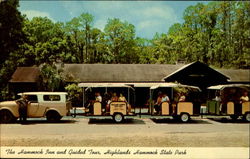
(118, 117)
(247, 117)
(53, 116)
(184, 117)
(234, 117)
(6, 116)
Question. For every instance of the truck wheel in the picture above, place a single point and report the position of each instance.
(184, 117)
(118, 117)
(233, 117)
(53, 116)
(247, 117)
(6, 116)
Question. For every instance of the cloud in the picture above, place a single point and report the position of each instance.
(34, 13)
(148, 17)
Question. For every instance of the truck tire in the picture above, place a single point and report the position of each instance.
(53, 116)
(6, 116)
(247, 117)
(118, 117)
(184, 117)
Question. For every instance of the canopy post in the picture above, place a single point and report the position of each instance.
(150, 101)
(83, 96)
(128, 96)
(172, 93)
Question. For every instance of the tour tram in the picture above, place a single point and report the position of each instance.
(174, 107)
(108, 107)
(229, 100)
(119, 110)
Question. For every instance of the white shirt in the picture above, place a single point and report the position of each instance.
(98, 98)
(244, 98)
(165, 99)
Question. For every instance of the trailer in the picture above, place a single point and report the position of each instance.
(225, 101)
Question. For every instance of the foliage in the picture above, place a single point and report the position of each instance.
(51, 77)
(74, 93)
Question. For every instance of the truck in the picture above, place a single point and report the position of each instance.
(52, 105)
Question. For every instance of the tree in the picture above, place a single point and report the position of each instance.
(121, 41)
(11, 37)
(74, 94)
(51, 77)
(11, 34)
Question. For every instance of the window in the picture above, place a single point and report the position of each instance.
(32, 98)
(51, 98)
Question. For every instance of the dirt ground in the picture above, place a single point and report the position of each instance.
(132, 133)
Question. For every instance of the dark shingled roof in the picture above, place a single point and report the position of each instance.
(118, 72)
(25, 74)
(236, 75)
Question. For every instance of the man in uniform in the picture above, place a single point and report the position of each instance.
(23, 104)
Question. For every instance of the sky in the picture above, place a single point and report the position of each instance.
(148, 17)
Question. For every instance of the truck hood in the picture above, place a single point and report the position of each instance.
(8, 103)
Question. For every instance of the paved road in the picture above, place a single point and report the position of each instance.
(136, 132)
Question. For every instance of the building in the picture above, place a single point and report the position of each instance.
(196, 73)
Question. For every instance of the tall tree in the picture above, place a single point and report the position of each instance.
(121, 37)
(11, 37)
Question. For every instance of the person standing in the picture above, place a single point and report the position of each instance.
(22, 107)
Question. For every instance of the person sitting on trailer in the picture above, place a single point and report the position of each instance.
(98, 97)
(122, 98)
(158, 103)
(182, 97)
(106, 101)
(217, 97)
(165, 98)
(244, 97)
(114, 98)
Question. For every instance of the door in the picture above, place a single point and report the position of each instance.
(33, 107)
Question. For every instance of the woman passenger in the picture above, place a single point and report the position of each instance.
(158, 102)
(122, 98)
(114, 98)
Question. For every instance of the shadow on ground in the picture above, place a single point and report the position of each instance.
(174, 121)
(110, 121)
(42, 121)
(227, 120)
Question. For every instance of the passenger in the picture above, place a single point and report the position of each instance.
(218, 100)
(114, 98)
(165, 98)
(217, 97)
(158, 103)
(106, 101)
(182, 97)
(106, 98)
(23, 105)
(122, 98)
(244, 97)
(98, 97)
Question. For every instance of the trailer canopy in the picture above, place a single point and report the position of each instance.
(221, 87)
(173, 85)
